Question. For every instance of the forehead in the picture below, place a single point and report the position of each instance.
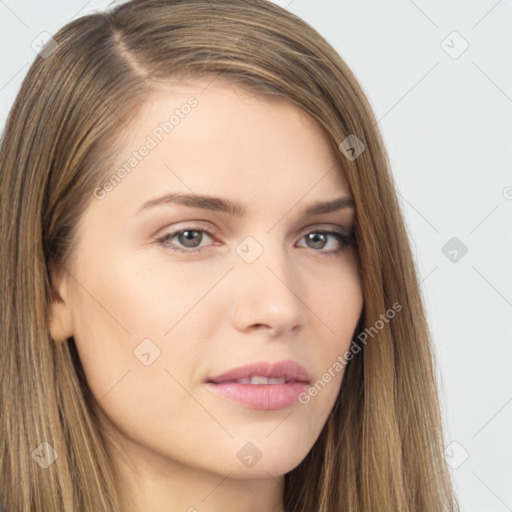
(220, 140)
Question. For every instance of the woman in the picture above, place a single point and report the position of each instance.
(209, 300)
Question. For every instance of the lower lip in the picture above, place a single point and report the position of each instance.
(267, 397)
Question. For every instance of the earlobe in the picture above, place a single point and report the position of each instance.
(60, 315)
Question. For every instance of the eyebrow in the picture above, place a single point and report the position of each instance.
(236, 208)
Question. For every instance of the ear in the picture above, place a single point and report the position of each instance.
(61, 318)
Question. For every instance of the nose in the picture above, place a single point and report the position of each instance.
(268, 294)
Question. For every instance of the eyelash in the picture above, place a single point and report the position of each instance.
(346, 240)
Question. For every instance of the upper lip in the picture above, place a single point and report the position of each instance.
(290, 370)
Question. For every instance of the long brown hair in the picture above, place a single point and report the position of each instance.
(381, 448)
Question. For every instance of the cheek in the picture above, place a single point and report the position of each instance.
(154, 297)
(338, 306)
(138, 376)
(131, 321)
(128, 300)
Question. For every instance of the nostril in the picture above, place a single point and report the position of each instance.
(260, 326)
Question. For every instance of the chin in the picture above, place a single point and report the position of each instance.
(263, 455)
(274, 466)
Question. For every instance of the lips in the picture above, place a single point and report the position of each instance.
(262, 385)
(289, 370)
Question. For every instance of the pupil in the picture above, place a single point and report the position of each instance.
(315, 237)
(190, 236)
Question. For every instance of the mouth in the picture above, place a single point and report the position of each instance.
(262, 385)
(259, 379)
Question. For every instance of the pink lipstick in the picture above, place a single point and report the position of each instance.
(262, 385)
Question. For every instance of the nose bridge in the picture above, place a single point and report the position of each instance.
(263, 258)
(267, 284)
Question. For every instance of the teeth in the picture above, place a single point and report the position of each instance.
(262, 380)
(281, 380)
(259, 380)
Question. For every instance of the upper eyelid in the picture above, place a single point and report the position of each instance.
(306, 230)
(200, 225)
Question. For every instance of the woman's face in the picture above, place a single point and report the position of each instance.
(158, 317)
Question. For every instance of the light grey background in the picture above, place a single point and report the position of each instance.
(447, 123)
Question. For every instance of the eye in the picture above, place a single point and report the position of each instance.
(188, 240)
(319, 239)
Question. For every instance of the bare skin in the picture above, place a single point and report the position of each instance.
(176, 445)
